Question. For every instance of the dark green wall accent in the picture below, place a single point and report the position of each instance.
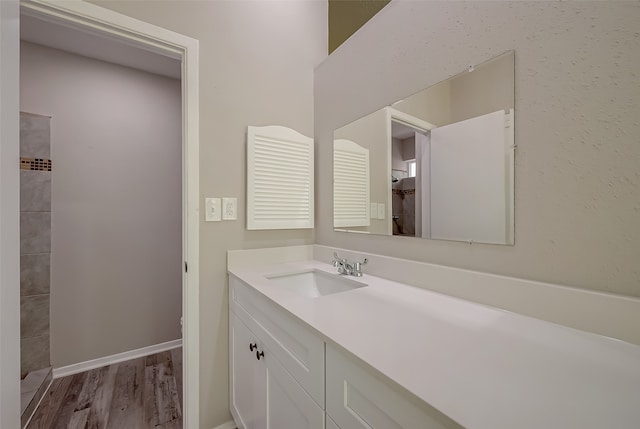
(347, 16)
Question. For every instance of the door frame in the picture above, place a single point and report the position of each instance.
(106, 23)
(419, 125)
(9, 215)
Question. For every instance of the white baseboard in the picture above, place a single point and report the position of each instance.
(117, 358)
(228, 425)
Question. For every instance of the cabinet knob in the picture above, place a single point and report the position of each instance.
(258, 354)
(252, 346)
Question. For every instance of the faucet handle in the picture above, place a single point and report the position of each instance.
(337, 261)
(359, 264)
(357, 267)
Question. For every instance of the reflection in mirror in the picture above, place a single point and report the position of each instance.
(404, 169)
(351, 184)
(439, 164)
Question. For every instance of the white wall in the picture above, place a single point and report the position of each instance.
(116, 265)
(577, 185)
(256, 68)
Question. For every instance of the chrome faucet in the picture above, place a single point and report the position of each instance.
(346, 268)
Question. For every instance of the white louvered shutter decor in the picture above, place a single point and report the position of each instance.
(279, 178)
(350, 184)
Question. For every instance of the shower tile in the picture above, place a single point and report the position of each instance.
(35, 232)
(35, 164)
(35, 191)
(34, 354)
(35, 274)
(409, 213)
(34, 315)
(35, 136)
(396, 204)
(409, 183)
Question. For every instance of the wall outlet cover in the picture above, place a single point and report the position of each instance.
(381, 210)
(229, 208)
(373, 211)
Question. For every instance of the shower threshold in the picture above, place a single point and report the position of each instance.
(32, 388)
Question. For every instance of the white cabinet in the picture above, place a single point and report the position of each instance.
(276, 365)
(262, 393)
(288, 405)
(285, 388)
(358, 397)
(295, 346)
(248, 377)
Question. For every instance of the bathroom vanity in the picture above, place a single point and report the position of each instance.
(310, 348)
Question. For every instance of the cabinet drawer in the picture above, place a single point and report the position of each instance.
(298, 348)
(360, 397)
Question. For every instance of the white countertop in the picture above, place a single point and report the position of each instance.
(483, 367)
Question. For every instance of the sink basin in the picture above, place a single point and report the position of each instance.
(313, 283)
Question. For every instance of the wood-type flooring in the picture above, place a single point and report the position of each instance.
(136, 394)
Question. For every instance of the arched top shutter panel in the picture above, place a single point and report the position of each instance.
(279, 178)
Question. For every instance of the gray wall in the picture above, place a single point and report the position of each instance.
(116, 265)
(256, 68)
(577, 219)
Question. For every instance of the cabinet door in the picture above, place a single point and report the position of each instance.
(295, 346)
(247, 377)
(331, 424)
(359, 397)
(288, 405)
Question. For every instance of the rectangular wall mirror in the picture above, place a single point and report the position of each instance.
(438, 164)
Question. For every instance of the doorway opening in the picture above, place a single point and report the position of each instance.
(93, 21)
(406, 149)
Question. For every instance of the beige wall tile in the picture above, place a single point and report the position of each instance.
(35, 274)
(35, 232)
(34, 316)
(35, 354)
(35, 191)
(35, 136)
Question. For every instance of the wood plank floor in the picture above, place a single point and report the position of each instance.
(136, 394)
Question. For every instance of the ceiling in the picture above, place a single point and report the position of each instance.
(91, 45)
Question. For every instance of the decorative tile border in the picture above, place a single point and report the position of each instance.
(403, 191)
(35, 164)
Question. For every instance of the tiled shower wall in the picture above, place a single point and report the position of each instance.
(404, 206)
(35, 241)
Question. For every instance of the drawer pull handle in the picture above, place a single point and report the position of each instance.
(252, 346)
(258, 354)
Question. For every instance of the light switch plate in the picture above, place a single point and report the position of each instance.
(380, 210)
(373, 211)
(212, 210)
(229, 208)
